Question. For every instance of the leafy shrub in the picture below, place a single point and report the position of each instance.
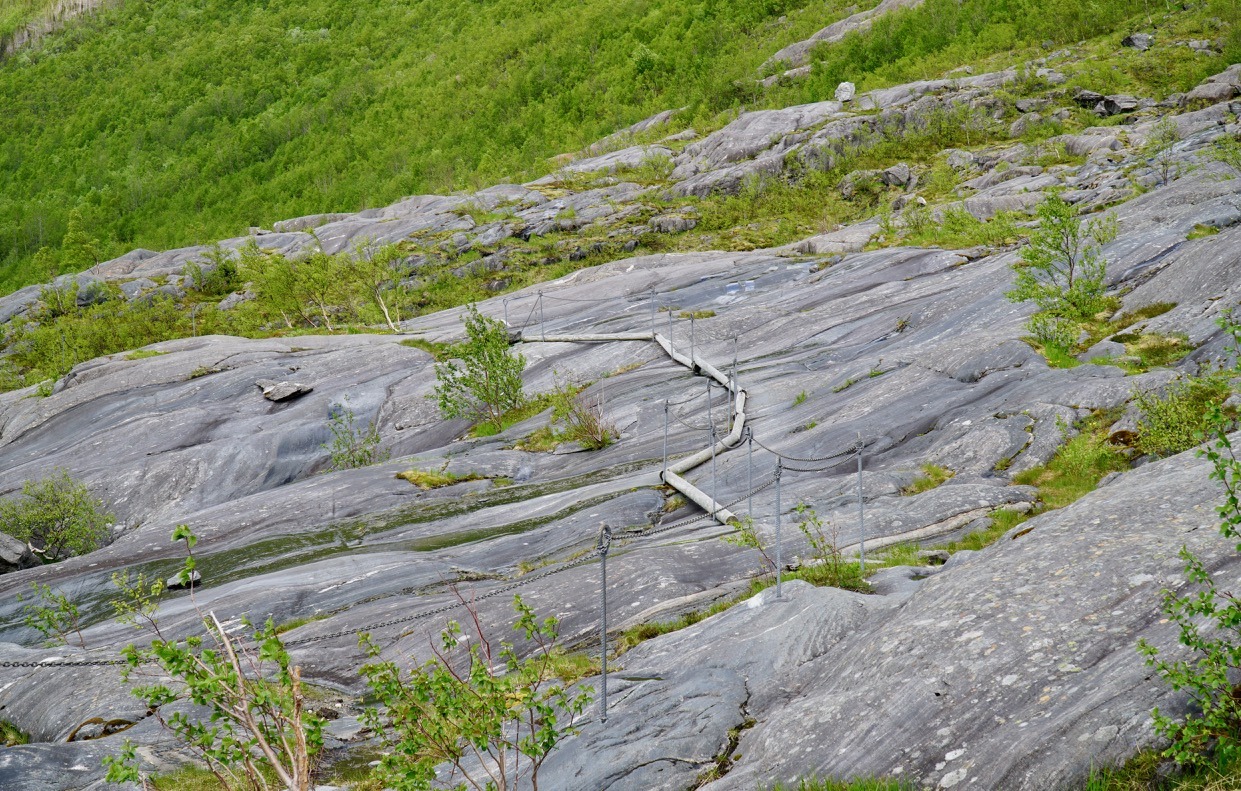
(487, 383)
(1178, 418)
(583, 418)
(258, 727)
(53, 614)
(1209, 623)
(57, 516)
(1061, 269)
(828, 566)
(353, 445)
(490, 704)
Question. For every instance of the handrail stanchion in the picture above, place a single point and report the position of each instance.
(665, 474)
(605, 542)
(714, 481)
(861, 508)
(779, 556)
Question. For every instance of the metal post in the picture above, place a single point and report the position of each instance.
(715, 486)
(861, 509)
(652, 314)
(734, 362)
(691, 340)
(711, 421)
(671, 347)
(665, 475)
(749, 463)
(505, 301)
(605, 542)
(542, 326)
(779, 556)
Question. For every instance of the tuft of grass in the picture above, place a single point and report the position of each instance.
(289, 626)
(571, 667)
(800, 399)
(11, 735)
(142, 354)
(1144, 771)
(440, 351)
(845, 385)
(1078, 466)
(543, 440)
(204, 370)
(932, 475)
(1201, 231)
(1002, 520)
(435, 479)
(696, 314)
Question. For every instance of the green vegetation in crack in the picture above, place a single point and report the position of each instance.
(1079, 464)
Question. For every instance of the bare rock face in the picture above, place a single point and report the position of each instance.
(1012, 667)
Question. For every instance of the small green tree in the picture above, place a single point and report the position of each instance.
(139, 600)
(79, 250)
(57, 517)
(372, 276)
(487, 383)
(1209, 622)
(273, 280)
(258, 727)
(52, 614)
(747, 537)
(493, 716)
(1164, 135)
(216, 274)
(353, 445)
(1061, 269)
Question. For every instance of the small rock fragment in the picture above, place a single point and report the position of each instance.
(282, 391)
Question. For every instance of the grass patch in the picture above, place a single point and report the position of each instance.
(289, 626)
(1002, 520)
(571, 667)
(436, 479)
(958, 229)
(142, 354)
(1078, 466)
(1201, 231)
(11, 735)
(696, 314)
(800, 399)
(845, 385)
(932, 476)
(1143, 772)
(440, 351)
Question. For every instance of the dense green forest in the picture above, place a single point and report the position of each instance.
(170, 122)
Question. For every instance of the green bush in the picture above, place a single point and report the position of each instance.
(1178, 418)
(57, 516)
(487, 383)
(1208, 619)
(475, 700)
(1061, 269)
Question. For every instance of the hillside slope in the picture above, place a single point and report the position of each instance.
(166, 124)
(840, 267)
